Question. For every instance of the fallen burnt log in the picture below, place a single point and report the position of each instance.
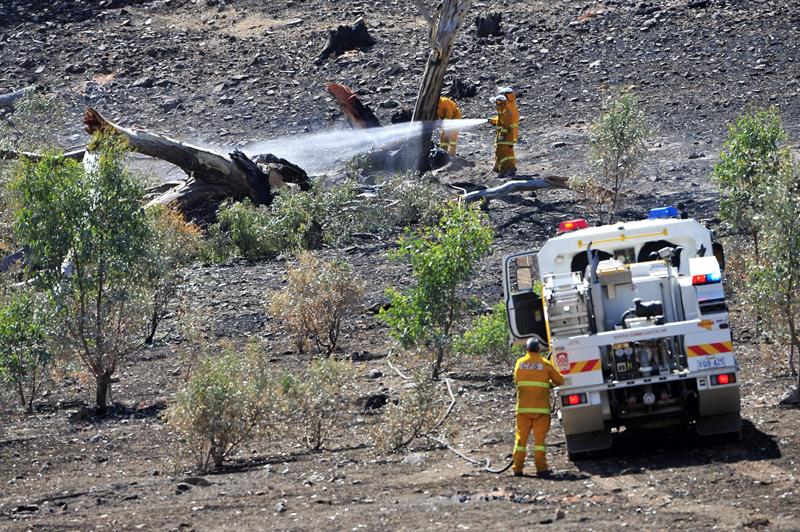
(10, 98)
(11, 155)
(518, 185)
(344, 38)
(213, 176)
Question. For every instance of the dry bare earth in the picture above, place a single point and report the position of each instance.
(245, 71)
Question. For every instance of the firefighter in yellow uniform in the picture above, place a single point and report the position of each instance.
(511, 96)
(448, 110)
(533, 377)
(505, 161)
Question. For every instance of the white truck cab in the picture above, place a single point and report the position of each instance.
(634, 314)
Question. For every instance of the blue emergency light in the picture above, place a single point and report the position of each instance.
(662, 212)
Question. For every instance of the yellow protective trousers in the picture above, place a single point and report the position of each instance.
(504, 157)
(448, 141)
(540, 424)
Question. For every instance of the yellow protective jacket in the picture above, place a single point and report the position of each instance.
(533, 377)
(503, 122)
(512, 107)
(447, 109)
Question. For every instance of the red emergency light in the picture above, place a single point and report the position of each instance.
(572, 225)
(573, 399)
(723, 378)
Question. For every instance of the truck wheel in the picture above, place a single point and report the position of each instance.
(577, 457)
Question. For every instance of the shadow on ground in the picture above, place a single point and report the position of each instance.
(636, 451)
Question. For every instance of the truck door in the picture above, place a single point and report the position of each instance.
(522, 290)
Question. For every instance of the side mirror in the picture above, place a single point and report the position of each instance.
(719, 253)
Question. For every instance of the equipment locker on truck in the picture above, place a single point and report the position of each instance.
(636, 320)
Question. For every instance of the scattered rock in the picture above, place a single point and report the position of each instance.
(182, 487)
(169, 105)
(402, 115)
(758, 522)
(145, 82)
(25, 508)
(790, 398)
(196, 481)
(372, 401)
(375, 373)
(415, 459)
(280, 507)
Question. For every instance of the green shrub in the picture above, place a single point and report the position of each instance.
(88, 239)
(618, 147)
(256, 232)
(174, 244)
(320, 396)
(750, 160)
(228, 400)
(357, 165)
(488, 338)
(35, 124)
(415, 414)
(329, 215)
(410, 200)
(318, 296)
(775, 281)
(442, 258)
(24, 350)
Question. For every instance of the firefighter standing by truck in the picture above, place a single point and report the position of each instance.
(533, 377)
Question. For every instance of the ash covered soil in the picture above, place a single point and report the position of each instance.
(244, 70)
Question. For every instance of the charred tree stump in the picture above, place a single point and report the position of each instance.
(344, 38)
(462, 88)
(358, 115)
(444, 25)
(489, 25)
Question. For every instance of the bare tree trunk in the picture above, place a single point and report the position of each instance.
(793, 340)
(437, 363)
(103, 381)
(444, 25)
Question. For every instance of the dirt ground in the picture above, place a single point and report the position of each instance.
(237, 71)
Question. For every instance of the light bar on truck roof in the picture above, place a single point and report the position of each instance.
(706, 278)
(572, 225)
(662, 212)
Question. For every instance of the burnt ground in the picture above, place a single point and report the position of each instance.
(243, 70)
